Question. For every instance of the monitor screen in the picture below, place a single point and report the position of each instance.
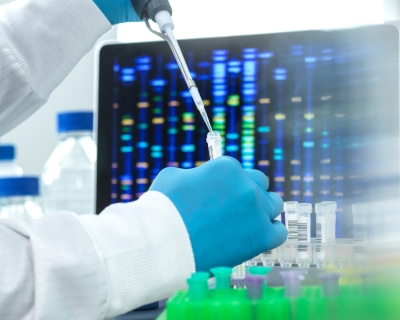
(313, 110)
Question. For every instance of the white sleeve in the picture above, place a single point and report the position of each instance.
(40, 43)
(65, 266)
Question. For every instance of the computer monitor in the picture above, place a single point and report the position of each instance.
(316, 111)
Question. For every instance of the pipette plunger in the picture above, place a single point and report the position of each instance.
(160, 11)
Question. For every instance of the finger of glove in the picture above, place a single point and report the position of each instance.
(164, 178)
(277, 235)
(132, 16)
(226, 160)
(259, 177)
(274, 204)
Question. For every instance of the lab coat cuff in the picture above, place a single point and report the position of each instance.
(48, 38)
(145, 251)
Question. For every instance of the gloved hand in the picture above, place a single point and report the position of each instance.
(227, 211)
(117, 11)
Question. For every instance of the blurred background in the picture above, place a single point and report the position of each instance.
(208, 20)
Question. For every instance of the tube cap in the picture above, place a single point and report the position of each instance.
(322, 207)
(19, 186)
(333, 204)
(7, 152)
(359, 208)
(291, 280)
(290, 206)
(75, 121)
(254, 285)
(305, 207)
(222, 277)
(198, 286)
(330, 284)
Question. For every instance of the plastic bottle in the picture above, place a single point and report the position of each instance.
(19, 196)
(68, 176)
(8, 165)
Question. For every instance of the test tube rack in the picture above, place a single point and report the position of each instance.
(337, 254)
(260, 301)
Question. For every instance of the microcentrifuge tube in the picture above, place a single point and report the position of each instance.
(286, 254)
(322, 212)
(359, 211)
(268, 258)
(319, 255)
(331, 220)
(304, 221)
(290, 208)
(214, 144)
(303, 256)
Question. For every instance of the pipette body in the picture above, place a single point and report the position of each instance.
(160, 11)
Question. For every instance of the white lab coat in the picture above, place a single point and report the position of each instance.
(66, 266)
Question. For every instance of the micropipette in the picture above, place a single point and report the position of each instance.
(160, 11)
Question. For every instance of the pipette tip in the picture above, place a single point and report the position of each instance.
(205, 118)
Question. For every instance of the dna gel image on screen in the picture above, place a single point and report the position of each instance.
(309, 109)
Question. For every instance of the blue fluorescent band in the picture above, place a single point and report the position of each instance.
(156, 154)
(142, 144)
(308, 144)
(232, 148)
(127, 78)
(188, 148)
(126, 149)
(232, 135)
(128, 71)
(143, 67)
(126, 137)
(156, 148)
(187, 164)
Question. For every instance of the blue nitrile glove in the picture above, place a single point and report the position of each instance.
(227, 211)
(117, 11)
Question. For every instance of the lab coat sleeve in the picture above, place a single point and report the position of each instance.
(40, 43)
(65, 266)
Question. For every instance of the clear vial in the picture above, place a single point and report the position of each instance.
(8, 165)
(321, 211)
(359, 211)
(331, 220)
(286, 254)
(19, 197)
(214, 144)
(268, 258)
(304, 221)
(303, 256)
(68, 176)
